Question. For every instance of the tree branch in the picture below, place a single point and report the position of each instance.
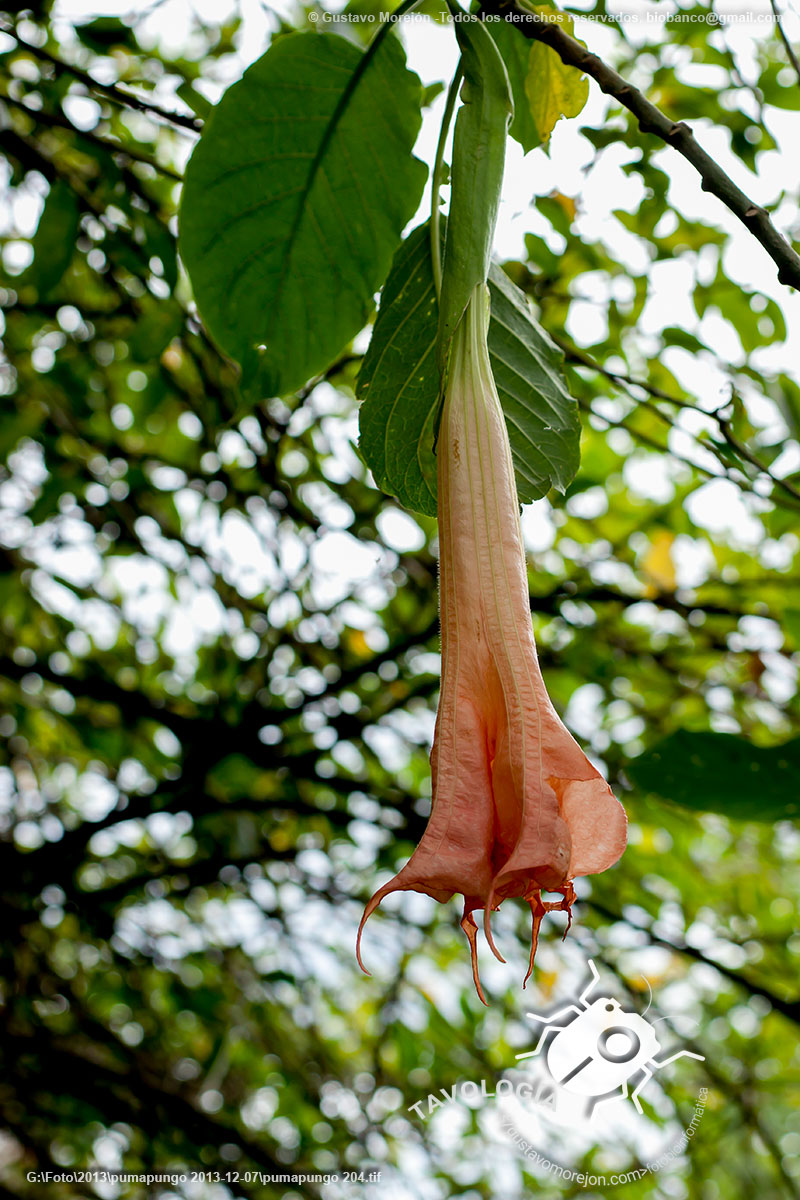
(782, 35)
(744, 452)
(786, 1007)
(40, 1060)
(652, 120)
(628, 382)
(53, 121)
(110, 90)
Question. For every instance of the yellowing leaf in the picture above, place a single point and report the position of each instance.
(657, 563)
(546, 981)
(567, 203)
(356, 643)
(554, 90)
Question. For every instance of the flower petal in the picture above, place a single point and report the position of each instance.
(517, 806)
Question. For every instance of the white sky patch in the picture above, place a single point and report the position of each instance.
(538, 530)
(82, 111)
(399, 531)
(720, 507)
(720, 335)
(650, 475)
(669, 300)
(197, 617)
(388, 746)
(584, 712)
(756, 633)
(143, 585)
(326, 505)
(339, 562)
(699, 374)
(693, 559)
(777, 554)
(588, 504)
(413, 725)
(250, 563)
(779, 680)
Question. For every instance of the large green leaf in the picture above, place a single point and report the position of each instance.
(295, 199)
(399, 384)
(720, 772)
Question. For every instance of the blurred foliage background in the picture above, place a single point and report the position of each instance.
(219, 653)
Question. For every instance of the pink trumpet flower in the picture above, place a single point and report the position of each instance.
(518, 808)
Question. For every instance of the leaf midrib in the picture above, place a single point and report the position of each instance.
(335, 119)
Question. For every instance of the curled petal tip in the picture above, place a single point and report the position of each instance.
(358, 946)
(372, 904)
(538, 909)
(494, 950)
(487, 928)
(471, 930)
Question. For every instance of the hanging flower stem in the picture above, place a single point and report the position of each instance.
(436, 179)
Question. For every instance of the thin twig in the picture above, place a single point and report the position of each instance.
(56, 122)
(741, 449)
(646, 440)
(782, 34)
(745, 484)
(789, 1008)
(436, 179)
(574, 355)
(110, 90)
(652, 120)
(578, 357)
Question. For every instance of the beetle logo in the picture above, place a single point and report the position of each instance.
(597, 1053)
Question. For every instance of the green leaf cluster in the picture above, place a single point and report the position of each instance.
(397, 422)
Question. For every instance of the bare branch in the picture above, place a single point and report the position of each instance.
(628, 382)
(652, 120)
(53, 121)
(782, 35)
(789, 1008)
(110, 90)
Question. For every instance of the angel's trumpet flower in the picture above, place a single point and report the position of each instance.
(518, 809)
